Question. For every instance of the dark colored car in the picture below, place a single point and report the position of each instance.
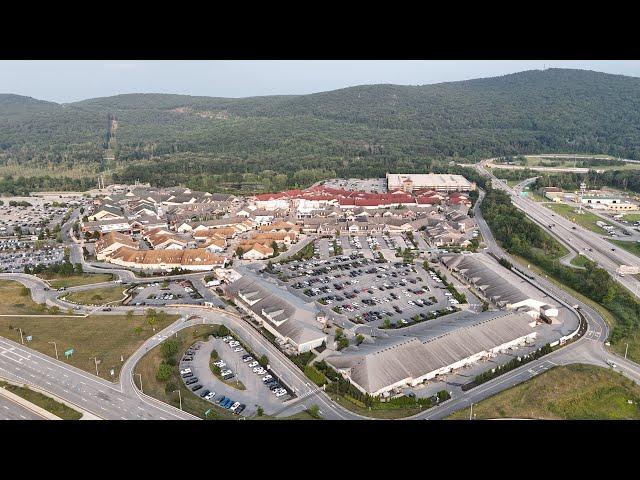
(204, 393)
(191, 381)
(196, 388)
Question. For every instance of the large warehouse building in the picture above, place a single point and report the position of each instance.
(499, 286)
(408, 182)
(278, 312)
(413, 361)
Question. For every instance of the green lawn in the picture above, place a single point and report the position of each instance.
(631, 217)
(585, 219)
(573, 392)
(49, 404)
(98, 296)
(632, 247)
(165, 391)
(105, 336)
(76, 280)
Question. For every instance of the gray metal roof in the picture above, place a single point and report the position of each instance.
(411, 358)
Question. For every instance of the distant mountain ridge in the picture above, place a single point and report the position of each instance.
(361, 130)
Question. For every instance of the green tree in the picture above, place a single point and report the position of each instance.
(263, 361)
(359, 339)
(314, 411)
(164, 372)
(169, 348)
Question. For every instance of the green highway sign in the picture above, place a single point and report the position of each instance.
(68, 353)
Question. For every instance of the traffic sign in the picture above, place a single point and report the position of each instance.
(68, 353)
(29, 338)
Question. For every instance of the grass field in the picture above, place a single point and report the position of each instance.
(632, 247)
(49, 404)
(192, 403)
(15, 299)
(573, 392)
(76, 280)
(585, 219)
(579, 260)
(98, 296)
(105, 336)
(631, 217)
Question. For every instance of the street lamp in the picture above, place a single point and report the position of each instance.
(179, 397)
(95, 359)
(21, 338)
(140, 377)
(56, 347)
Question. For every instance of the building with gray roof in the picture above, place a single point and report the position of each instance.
(411, 361)
(279, 312)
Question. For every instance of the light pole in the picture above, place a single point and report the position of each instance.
(95, 359)
(56, 347)
(471, 412)
(140, 377)
(179, 397)
(21, 338)
(625, 351)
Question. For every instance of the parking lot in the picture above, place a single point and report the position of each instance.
(370, 291)
(15, 255)
(161, 293)
(234, 365)
(31, 219)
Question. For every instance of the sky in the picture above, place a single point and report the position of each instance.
(69, 81)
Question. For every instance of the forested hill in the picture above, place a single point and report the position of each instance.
(219, 143)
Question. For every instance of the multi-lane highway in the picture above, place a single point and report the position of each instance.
(576, 238)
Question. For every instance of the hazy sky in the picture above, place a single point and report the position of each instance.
(68, 81)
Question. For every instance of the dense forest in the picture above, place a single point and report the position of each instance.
(270, 142)
(520, 236)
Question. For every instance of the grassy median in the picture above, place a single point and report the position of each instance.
(112, 295)
(573, 392)
(43, 401)
(77, 280)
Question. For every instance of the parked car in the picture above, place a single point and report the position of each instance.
(253, 364)
(192, 381)
(204, 393)
(195, 388)
(249, 358)
(209, 395)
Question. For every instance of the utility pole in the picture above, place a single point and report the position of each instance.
(179, 397)
(56, 347)
(625, 351)
(21, 338)
(140, 377)
(471, 412)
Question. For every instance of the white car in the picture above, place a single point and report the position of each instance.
(248, 359)
(280, 392)
(226, 372)
(209, 395)
(257, 368)
(262, 371)
(235, 343)
(238, 349)
(227, 339)
(234, 406)
(266, 377)
(184, 371)
(253, 364)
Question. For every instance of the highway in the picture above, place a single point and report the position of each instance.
(574, 237)
(10, 410)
